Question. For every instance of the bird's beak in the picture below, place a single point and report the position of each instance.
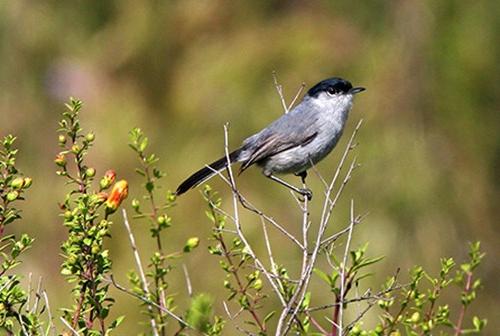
(356, 90)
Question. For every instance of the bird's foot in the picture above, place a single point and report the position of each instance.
(302, 176)
(307, 193)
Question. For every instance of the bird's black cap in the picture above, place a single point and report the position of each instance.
(333, 85)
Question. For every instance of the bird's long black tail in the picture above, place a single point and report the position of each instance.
(206, 172)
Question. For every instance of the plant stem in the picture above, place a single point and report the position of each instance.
(458, 328)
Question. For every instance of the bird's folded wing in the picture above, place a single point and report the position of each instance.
(276, 143)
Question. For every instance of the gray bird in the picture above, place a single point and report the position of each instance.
(295, 141)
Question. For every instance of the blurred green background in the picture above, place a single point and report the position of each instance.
(429, 147)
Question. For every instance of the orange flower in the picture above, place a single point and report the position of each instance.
(117, 195)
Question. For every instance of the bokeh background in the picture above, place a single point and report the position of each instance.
(429, 147)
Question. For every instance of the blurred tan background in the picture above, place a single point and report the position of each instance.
(429, 147)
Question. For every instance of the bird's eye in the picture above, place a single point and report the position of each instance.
(332, 90)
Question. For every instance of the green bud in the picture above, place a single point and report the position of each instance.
(12, 196)
(90, 172)
(75, 149)
(415, 317)
(108, 179)
(135, 204)
(68, 215)
(191, 244)
(90, 137)
(17, 183)
(257, 284)
(19, 245)
(28, 181)
(62, 139)
(356, 330)
(161, 219)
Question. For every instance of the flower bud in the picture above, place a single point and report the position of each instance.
(12, 195)
(415, 317)
(90, 172)
(62, 139)
(17, 183)
(60, 160)
(90, 137)
(117, 195)
(135, 204)
(75, 149)
(68, 215)
(191, 244)
(257, 284)
(28, 181)
(108, 179)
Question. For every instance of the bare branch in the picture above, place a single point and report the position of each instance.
(51, 319)
(112, 281)
(188, 280)
(279, 89)
(342, 272)
(238, 223)
(140, 269)
(69, 326)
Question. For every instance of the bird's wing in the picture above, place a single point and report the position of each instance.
(272, 143)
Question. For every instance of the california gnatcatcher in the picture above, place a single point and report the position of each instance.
(295, 141)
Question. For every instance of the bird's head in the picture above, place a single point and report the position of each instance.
(334, 93)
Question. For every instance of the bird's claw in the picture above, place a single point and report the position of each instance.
(307, 193)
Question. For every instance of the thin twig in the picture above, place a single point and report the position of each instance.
(297, 95)
(342, 272)
(28, 299)
(325, 216)
(112, 281)
(140, 269)
(188, 280)
(69, 327)
(37, 295)
(238, 223)
(51, 319)
(458, 328)
(250, 207)
(268, 247)
(337, 235)
(279, 88)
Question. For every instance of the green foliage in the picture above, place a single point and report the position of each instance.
(199, 316)
(85, 214)
(159, 266)
(13, 298)
(242, 281)
(419, 308)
